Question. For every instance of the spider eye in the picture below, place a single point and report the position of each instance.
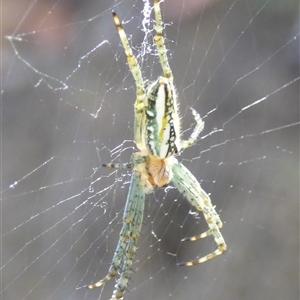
(162, 132)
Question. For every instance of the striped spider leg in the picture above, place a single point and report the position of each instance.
(127, 245)
(188, 185)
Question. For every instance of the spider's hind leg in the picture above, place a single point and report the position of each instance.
(138, 78)
(197, 130)
(160, 42)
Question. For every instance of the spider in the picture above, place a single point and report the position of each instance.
(157, 135)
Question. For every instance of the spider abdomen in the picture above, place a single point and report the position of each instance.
(161, 136)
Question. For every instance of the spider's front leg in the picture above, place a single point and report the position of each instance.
(188, 185)
(127, 245)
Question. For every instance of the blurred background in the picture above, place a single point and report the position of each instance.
(67, 106)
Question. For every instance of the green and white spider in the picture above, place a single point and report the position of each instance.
(157, 135)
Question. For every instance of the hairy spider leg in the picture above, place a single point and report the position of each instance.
(136, 72)
(126, 248)
(197, 130)
(136, 159)
(139, 197)
(188, 185)
(160, 43)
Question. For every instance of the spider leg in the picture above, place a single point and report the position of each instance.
(135, 230)
(118, 166)
(132, 220)
(187, 184)
(160, 43)
(197, 130)
(140, 85)
(136, 160)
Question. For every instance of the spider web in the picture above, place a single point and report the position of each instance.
(67, 106)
